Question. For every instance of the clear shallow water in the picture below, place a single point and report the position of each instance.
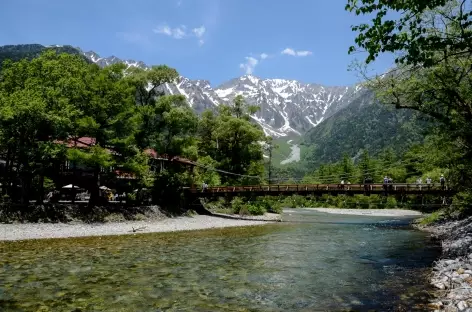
(319, 262)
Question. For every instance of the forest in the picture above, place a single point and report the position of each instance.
(50, 104)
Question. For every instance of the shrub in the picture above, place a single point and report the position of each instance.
(244, 211)
(462, 204)
(255, 210)
(269, 204)
(391, 202)
(236, 205)
(433, 218)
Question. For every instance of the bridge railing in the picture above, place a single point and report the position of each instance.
(319, 187)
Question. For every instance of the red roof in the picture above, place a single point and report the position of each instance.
(82, 142)
(86, 142)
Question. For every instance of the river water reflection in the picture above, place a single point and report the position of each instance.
(318, 262)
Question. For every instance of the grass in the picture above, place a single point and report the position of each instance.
(432, 218)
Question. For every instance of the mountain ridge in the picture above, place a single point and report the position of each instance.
(288, 108)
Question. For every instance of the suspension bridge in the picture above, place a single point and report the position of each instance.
(320, 189)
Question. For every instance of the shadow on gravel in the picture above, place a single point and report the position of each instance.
(64, 213)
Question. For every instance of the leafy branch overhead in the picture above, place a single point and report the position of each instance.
(415, 29)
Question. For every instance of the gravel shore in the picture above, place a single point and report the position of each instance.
(63, 230)
(370, 212)
(452, 274)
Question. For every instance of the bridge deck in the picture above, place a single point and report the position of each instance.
(319, 189)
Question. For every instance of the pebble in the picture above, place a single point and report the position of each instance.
(440, 286)
(462, 305)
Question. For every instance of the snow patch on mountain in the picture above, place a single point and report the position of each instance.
(287, 107)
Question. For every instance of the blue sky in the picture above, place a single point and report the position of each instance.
(216, 40)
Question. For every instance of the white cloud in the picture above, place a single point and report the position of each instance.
(292, 52)
(264, 56)
(249, 65)
(199, 32)
(304, 53)
(180, 32)
(176, 33)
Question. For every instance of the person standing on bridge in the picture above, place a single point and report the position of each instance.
(385, 184)
(442, 180)
(204, 187)
(428, 182)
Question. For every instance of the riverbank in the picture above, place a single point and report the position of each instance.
(63, 230)
(369, 212)
(452, 274)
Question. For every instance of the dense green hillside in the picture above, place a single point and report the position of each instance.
(364, 124)
(29, 51)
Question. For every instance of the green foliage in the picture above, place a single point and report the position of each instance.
(233, 142)
(418, 33)
(237, 204)
(432, 41)
(48, 98)
(255, 210)
(433, 218)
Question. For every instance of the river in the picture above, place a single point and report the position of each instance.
(316, 262)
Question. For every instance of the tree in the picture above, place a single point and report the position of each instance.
(208, 141)
(423, 28)
(347, 168)
(174, 125)
(109, 117)
(269, 147)
(239, 148)
(433, 76)
(149, 87)
(38, 101)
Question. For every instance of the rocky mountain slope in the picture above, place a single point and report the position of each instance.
(363, 124)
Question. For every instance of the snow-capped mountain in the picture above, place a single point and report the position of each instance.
(287, 107)
(105, 61)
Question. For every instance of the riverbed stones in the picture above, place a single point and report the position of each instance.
(452, 275)
(440, 286)
(462, 305)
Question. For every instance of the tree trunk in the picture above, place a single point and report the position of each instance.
(95, 191)
(40, 196)
(6, 180)
(25, 188)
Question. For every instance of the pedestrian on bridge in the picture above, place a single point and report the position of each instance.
(419, 181)
(385, 185)
(443, 182)
(428, 182)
